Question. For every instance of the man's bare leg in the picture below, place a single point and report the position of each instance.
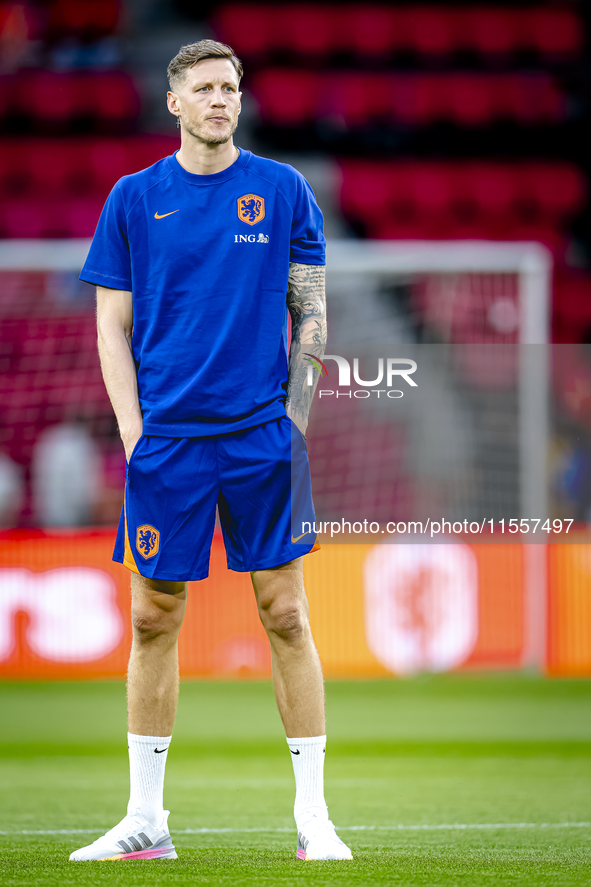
(157, 611)
(297, 673)
(299, 691)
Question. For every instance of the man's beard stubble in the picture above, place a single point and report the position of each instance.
(200, 132)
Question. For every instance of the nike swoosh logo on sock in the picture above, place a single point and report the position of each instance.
(160, 750)
(294, 752)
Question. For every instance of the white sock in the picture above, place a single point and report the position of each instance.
(307, 755)
(147, 761)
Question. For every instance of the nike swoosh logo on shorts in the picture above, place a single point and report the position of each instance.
(163, 216)
(300, 537)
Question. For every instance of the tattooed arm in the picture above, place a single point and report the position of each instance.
(306, 301)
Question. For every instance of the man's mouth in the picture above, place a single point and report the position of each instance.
(218, 119)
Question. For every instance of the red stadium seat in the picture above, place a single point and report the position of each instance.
(542, 101)
(304, 28)
(367, 30)
(63, 216)
(143, 151)
(291, 96)
(82, 216)
(416, 99)
(247, 28)
(113, 97)
(432, 188)
(286, 97)
(573, 300)
(559, 190)
(105, 161)
(491, 188)
(57, 99)
(14, 172)
(489, 30)
(363, 191)
(90, 18)
(354, 98)
(27, 218)
(431, 30)
(531, 99)
(398, 184)
(408, 197)
(49, 165)
(49, 97)
(553, 31)
(403, 28)
(455, 201)
(402, 103)
(471, 99)
(378, 30)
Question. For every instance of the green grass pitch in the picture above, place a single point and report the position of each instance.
(450, 780)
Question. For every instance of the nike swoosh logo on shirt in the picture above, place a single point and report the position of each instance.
(163, 216)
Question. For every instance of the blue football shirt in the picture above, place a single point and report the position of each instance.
(207, 259)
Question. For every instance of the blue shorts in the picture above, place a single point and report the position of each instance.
(260, 480)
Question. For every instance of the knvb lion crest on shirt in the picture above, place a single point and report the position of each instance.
(147, 540)
(251, 208)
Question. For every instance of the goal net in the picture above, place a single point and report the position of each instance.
(468, 441)
(464, 436)
(50, 379)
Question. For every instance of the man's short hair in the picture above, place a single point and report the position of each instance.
(189, 55)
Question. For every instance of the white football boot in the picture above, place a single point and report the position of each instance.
(132, 838)
(317, 839)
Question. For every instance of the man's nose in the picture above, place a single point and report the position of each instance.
(218, 99)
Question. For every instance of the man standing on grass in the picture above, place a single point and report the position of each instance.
(192, 259)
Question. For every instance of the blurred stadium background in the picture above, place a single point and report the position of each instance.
(413, 122)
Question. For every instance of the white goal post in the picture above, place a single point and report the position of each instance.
(532, 265)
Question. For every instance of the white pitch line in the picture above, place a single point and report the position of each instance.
(454, 826)
(465, 825)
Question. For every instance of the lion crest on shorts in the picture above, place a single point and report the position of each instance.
(251, 208)
(147, 540)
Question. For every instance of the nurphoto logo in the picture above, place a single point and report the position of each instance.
(390, 370)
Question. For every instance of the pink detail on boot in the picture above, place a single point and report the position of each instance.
(146, 854)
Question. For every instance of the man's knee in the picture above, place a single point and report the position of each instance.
(287, 621)
(157, 608)
(285, 616)
(282, 602)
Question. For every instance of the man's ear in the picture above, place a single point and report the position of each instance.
(172, 100)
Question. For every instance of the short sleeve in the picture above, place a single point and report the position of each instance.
(108, 262)
(308, 244)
